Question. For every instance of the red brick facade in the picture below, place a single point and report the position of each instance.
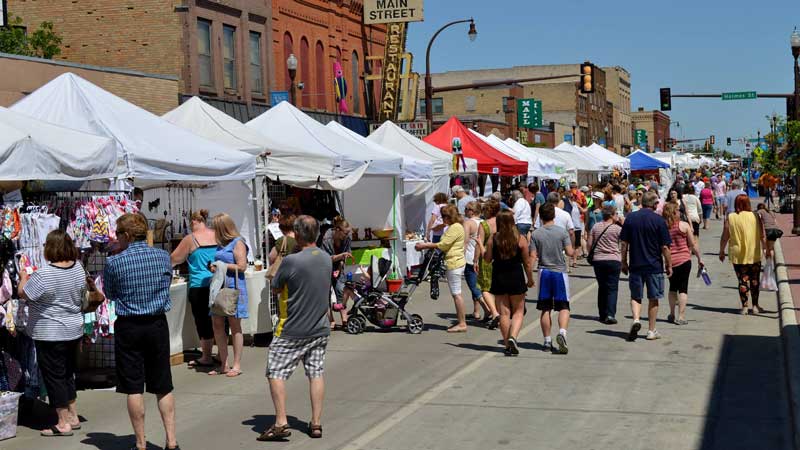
(318, 33)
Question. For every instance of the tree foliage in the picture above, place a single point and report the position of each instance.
(44, 42)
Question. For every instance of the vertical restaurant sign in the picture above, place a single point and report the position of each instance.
(392, 11)
(3, 13)
(392, 61)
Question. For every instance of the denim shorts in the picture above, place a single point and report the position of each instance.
(653, 281)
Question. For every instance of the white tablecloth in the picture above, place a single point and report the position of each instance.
(182, 332)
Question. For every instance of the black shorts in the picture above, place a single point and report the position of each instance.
(696, 228)
(198, 299)
(679, 281)
(141, 346)
(550, 305)
(57, 364)
(578, 238)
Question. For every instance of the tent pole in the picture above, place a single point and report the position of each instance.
(255, 217)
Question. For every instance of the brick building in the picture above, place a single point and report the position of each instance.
(23, 75)
(318, 33)
(218, 49)
(656, 124)
(563, 106)
(618, 92)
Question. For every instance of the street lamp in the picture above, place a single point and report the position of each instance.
(291, 64)
(794, 41)
(472, 33)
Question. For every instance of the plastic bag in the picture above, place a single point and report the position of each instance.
(768, 281)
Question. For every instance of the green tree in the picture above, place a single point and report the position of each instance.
(42, 43)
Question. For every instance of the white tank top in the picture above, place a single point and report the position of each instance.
(469, 249)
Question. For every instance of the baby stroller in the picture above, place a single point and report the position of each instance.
(386, 309)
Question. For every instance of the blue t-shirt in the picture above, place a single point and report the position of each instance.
(539, 199)
(645, 232)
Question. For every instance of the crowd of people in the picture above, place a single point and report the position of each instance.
(639, 228)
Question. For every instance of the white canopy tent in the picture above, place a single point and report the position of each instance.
(614, 160)
(31, 149)
(582, 160)
(150, 148)
(549, 167)
(418, 195)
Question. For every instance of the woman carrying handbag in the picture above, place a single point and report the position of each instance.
(606, 259)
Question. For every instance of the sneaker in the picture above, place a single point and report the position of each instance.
(562, 344)
(671, 318)
(634, 333)
(681, 322)
(548, 346)
(653, 335)
(512, 347)
(611, 321)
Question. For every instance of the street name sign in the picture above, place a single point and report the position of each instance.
(746, 95)
(388, 11)
(529, 113)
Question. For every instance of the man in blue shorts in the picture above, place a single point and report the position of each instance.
(548, 244)
(645, 236)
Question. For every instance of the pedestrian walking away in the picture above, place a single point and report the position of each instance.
(744, 236)
(473, 253)
(549, 245)
(488, 227)
(138, 281)
(684, 245)
(452, 244)
(522, 213)
(199, 249)
(645, 258)
(771, 230)
(511, 278)
(302, 332)
(604, 251)
(54, 296)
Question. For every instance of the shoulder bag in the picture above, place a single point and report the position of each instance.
(590, 256)
(273, 268)
(227, 300)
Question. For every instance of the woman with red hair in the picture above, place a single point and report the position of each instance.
(745, 237)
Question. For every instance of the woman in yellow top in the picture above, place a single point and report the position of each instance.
(744, 236)
(452, 244)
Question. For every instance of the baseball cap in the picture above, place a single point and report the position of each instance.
(598, 195)
(584, 188)
(456, 189)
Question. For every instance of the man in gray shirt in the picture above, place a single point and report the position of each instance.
(304, 282)
(463, 198)
(549, 244)
(730, 196)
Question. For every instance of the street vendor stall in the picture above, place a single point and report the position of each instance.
(549, 166)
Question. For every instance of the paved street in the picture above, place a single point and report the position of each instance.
(715, 383)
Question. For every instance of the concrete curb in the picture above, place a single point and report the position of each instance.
(791, 341)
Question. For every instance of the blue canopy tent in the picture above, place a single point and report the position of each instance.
(642, 161)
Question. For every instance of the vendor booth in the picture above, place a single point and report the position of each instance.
(179, 171)
(548, 166)
(588, 168)
(607, 156)
(418, 194)
(535, 168)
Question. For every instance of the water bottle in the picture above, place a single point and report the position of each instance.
(706, 277)
(349, 277)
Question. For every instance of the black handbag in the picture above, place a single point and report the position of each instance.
(773, 234)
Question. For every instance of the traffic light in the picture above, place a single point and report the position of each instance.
(729, 142)
(587, 78)
(666, 99)
(712, 139)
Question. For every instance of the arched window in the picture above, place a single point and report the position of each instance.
(305, 73)
(322, 81)
(287, 50)
(355, 85)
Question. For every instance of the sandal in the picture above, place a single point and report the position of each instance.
(275, 433)
(494, 323)
(233, 373)
(55, 432)
(315, 431)
(218, 372)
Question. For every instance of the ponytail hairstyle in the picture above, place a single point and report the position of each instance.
(200, 216)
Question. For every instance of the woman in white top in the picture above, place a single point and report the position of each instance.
(693, 208)
(435, 225)
(473, 250)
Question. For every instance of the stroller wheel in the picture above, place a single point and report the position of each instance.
(355, 325)
(416, 325)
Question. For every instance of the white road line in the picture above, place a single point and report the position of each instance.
(410, 408)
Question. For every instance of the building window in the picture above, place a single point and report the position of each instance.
(470, 103)
(229, 57)
(305, 72)
(355, 85)
(322, 82)
(288, 45)
(204, 53)
(437, 106)
(256, 73)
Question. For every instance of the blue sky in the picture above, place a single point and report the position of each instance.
(700, 46)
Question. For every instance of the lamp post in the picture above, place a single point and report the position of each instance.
(605, 136)
(472, 33)
(291, 64)
(574, 137)
(795, 43)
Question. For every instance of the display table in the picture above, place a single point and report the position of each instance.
(182, 332)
